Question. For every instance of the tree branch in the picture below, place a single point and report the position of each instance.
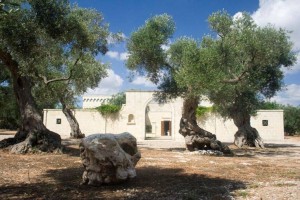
(237, 78)
(8, 62)
(56, 79)
(46, 81)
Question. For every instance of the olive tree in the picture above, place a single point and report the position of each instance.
(66, 91)
(49, 41)
(245, 62)
(147, 56)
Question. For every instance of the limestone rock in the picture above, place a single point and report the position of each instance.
(108, 158)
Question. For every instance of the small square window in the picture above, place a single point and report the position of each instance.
(265, 122)
(58, 121)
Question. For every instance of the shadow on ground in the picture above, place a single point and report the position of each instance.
(70, 147)
(276, 145)
(151, 183)
(270, 150)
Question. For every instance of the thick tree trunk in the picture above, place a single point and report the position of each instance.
(75, 130)
(197, 138)
(32, 135)
(246, 135)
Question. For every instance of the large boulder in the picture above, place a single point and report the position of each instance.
(108, 158)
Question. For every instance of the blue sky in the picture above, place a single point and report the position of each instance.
(190, 17)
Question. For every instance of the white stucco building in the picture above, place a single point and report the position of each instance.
(144, 118)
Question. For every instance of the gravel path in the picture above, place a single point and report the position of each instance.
(5, 136)
(161, 144)
(169, 144)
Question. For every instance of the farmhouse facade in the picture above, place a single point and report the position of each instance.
(145, 118)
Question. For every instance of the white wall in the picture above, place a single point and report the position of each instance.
(91, 121)
(275, 129)
(225, 129)
(93, 101)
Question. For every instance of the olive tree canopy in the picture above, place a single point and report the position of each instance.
(165, 68)
(244, 62)
(54, 43)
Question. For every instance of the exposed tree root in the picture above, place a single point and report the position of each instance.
(249, 136)
(200, 139)
(43, 141)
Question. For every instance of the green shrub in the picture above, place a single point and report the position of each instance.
(108, 109)
(202, 110)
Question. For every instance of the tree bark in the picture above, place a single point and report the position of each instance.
(75, 130)
(32, 134)
(197, 138)
(246, 135)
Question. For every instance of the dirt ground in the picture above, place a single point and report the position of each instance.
(271, 173)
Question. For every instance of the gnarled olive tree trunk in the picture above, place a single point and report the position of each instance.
(74, 125)
(246, 135)
(197, 138)
(32, 134)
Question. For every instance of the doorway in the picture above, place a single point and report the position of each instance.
(166, 128)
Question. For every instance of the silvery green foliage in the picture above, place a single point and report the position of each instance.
(248, 61)
(56, 41)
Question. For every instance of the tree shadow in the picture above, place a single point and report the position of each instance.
(70, 147)
(150, 183)
(166, 183)
(177, 149)
(71, 151)
(271, 150)
(276, 145)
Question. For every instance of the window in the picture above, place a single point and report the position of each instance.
(131, 119)
(265, 122)
(58, 121)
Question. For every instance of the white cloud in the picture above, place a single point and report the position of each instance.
(118, 56)
(237, 15)
(294, 69)
(142, 80)
(108, 86)
(165, 47)
(113, 54)
(123, 36)
(112, 40)
(281, 13)
(290, 95)
(124, 56)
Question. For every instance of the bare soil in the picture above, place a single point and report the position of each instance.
(271, 173)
